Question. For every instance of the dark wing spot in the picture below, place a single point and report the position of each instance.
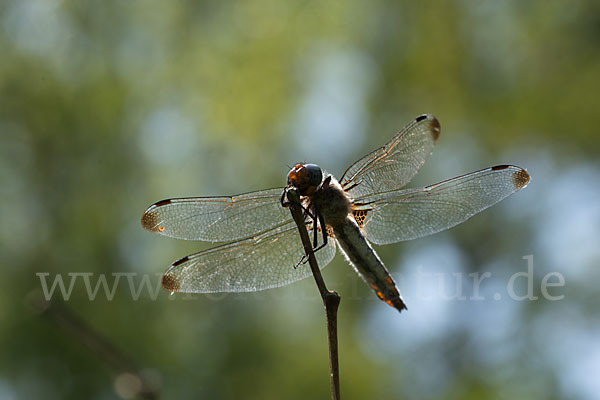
(328, 229)
(170, 283)
(520, 179)
(150, 220)
(436, 129)
(330, 232)
(433, 125)
(500, 167)
(162, 203)
(180, 261)
(360, 216)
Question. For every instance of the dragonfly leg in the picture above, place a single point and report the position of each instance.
(282, 199)
(315, 227)
(323, 230)
(285, 203)
(304, 258)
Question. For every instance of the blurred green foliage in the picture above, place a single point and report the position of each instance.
(106, 107)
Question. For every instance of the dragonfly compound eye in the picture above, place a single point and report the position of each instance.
(315, 175)
(305, 177)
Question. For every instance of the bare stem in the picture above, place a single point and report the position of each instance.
(80, 331)
(331, 300)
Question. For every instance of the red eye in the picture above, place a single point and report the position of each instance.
(305, 177)
(298, 175)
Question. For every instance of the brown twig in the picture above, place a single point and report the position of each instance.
(331, 299)
(99, 345)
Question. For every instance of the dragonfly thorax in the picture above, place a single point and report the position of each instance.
(305, 177)
(332, 202)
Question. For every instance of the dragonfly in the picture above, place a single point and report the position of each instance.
(261, 247)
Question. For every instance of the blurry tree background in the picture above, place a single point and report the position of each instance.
(109, 106)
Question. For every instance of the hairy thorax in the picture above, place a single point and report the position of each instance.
(332, 202)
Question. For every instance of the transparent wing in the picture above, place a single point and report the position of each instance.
(217, 219)
(412, 213)
(392, 166)
(262, 262)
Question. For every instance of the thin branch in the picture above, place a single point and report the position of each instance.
(99, 345)
(331, 299)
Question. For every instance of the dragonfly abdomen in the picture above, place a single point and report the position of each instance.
(366, 262)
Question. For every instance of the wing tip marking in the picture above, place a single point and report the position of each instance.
(150, 217)
(180, 261)
(170, 283)
(150, 221)
(162, 203)
(434, 125)
(436, 129)
(520, 179)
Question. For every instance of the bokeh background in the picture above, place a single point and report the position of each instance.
(107, 107)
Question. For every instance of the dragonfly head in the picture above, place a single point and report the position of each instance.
(305, 177)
